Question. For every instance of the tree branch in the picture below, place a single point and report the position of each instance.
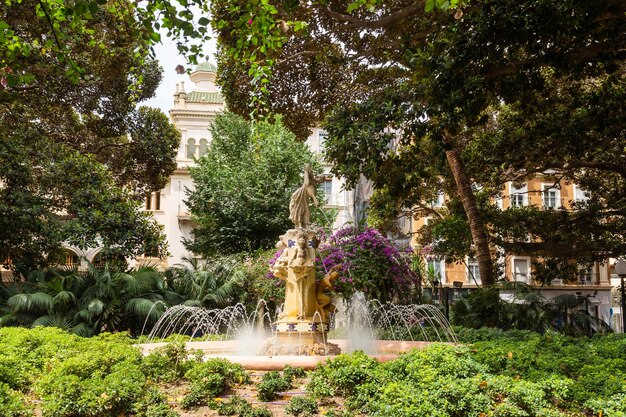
(296, 55)
(376, 24)
(601, 165)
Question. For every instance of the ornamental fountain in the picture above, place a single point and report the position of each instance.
(299, 332)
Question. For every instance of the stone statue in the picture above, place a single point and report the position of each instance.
(301, 327)
(296, 266)
(299, 212)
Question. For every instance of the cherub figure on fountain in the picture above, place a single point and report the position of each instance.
(322, 293)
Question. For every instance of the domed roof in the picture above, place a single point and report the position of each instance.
(205, 67)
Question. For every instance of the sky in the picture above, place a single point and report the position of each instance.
(168, 56)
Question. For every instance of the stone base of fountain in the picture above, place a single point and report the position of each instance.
(300, 338)
(291, 347)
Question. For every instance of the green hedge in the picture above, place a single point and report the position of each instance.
(497, 374)
(70, 376)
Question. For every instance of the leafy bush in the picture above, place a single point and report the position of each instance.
(611, 406)
(516, 375)
(271, 384)
(292, 373)
(12, 402)
(342, 375)
(153, 405)
(101, 379)
(210, 379)
(301, 406)
(238, 406)
(168, 363)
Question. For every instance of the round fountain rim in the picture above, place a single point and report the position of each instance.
(390, 350)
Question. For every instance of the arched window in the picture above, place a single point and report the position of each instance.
(114, 261)
(191, 148)
(69, 258)
(204, 145)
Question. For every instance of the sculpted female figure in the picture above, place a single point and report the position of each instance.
(296, 266)
(299, 212)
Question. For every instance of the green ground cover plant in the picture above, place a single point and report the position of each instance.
(238, 406)
(301, 406)
(49, 372)
(513, 374)
(210, 379)
(273, 382)
(105, 375)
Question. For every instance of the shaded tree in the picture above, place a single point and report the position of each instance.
(413, 86)
(76, 156)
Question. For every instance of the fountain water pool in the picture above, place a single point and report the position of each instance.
(245, 336)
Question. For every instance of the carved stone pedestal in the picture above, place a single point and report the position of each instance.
(301, 338)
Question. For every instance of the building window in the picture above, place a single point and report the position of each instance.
(439, 202)
(191, 148)
(434, 269)
(580, 195)
(153, 201)
(70, 259)
(322, 136)
(327, 188)
(586, 276)
(204, 147)
(551, 197)
(521, 271)
(518, 196)
(473, 273)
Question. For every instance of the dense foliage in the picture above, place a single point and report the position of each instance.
(424, 100)
(370, 263)
(527, 309)
(243, 185)
(76, 155)
(518, 374)
(109, 299)
(88, 302)
(101, 376)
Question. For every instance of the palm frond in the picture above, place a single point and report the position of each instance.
(64, 299)
(82, 329)
(146, 309)
(38, 301)
(61, 321)
(96, 306)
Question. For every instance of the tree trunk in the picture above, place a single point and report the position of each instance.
(476, 224)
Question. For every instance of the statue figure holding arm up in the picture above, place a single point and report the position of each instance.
(299, 212)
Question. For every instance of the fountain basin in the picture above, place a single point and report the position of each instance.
(384, 350)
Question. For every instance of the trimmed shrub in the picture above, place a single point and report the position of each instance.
(271, 384)
(301, 406)
(210, 379)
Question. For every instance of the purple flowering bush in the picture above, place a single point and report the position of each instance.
(371, 263)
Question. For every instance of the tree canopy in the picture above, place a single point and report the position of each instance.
(423, 100)
(243, 185)
(76, 155)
